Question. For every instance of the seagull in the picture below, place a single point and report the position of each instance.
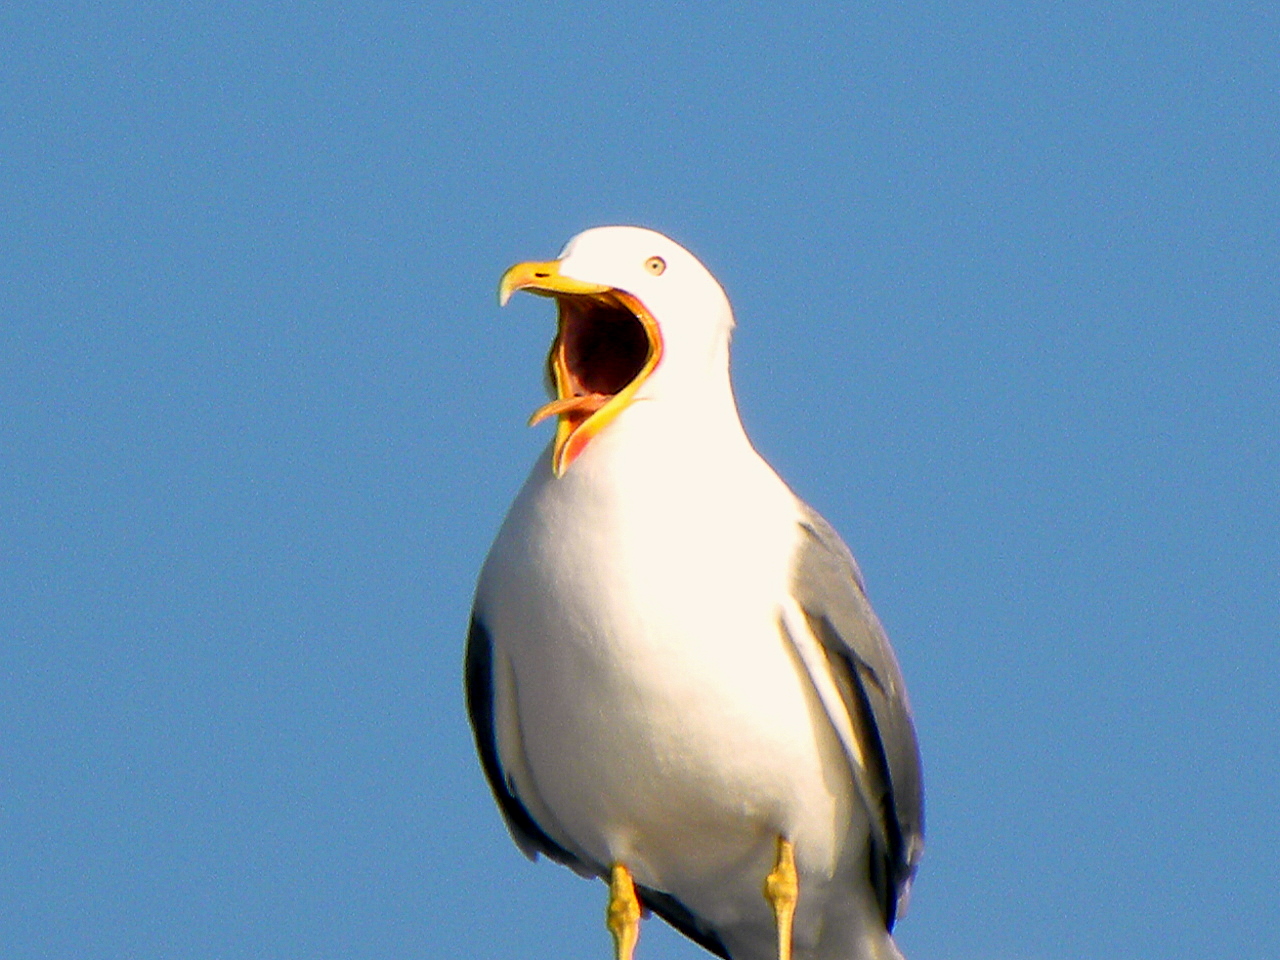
(673, 674)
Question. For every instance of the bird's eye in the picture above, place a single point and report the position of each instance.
(655, 265)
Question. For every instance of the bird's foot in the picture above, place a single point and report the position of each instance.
(782, 889)
(623, 914)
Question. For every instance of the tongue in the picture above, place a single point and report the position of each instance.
(578, 408)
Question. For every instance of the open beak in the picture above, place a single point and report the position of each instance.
(607, 343)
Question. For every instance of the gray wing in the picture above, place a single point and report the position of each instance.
(828, 587)
(529, 837)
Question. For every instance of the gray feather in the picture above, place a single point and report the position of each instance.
(531, 838)
(829, 589)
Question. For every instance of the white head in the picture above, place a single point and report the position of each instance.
(639, 318)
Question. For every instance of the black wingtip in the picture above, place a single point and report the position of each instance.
(683, 919)
(529, 837)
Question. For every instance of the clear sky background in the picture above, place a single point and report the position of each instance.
(1006, 277)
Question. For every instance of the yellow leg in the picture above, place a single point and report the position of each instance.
(623, 915)
(782, 889)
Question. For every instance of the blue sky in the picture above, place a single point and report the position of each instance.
(1006, 283)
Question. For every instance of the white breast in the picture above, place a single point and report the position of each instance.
(664, 721)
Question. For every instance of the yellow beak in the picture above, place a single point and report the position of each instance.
(582, 412)
(545, 280)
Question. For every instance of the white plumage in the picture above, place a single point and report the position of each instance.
(648, 673)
